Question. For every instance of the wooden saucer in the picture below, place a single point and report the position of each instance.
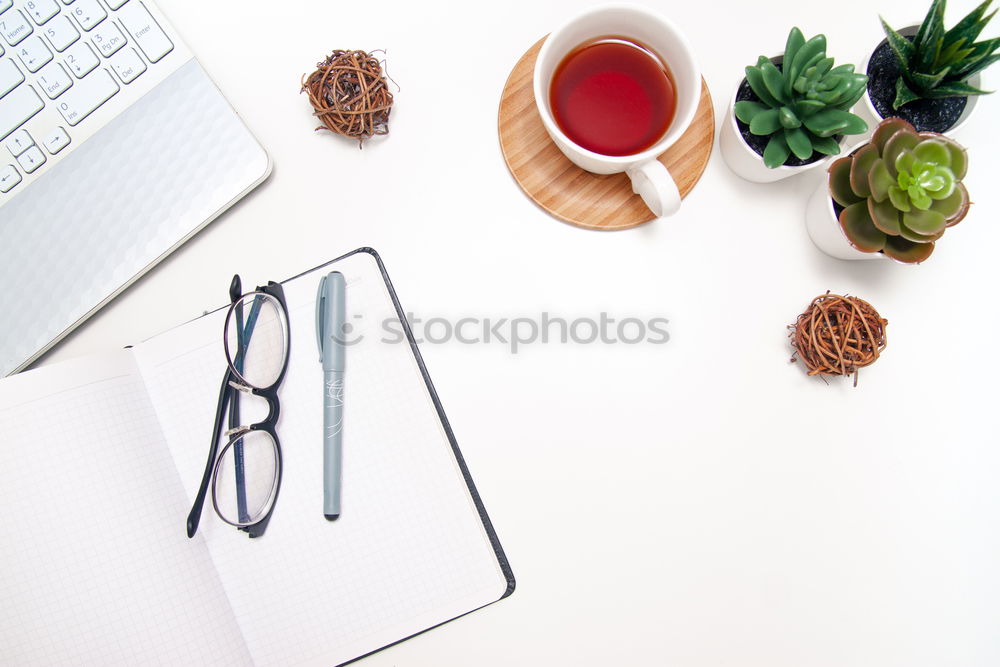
(567, 191)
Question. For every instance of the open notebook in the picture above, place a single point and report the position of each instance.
(100, 459)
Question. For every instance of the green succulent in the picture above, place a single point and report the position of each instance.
(938, 62)
(803, 105)
(900, 191)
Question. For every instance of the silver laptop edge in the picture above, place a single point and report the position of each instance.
(131, 192)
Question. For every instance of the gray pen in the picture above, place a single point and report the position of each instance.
(330, 318)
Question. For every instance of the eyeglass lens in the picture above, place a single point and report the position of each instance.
(256, 454)
(257, 339)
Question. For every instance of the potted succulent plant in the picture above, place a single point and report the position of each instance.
(893, 197)
(929, 75)
(791, 112)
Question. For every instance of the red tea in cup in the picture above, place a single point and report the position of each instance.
(613, 96)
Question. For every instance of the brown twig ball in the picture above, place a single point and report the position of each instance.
(837, 335)
(350, 95)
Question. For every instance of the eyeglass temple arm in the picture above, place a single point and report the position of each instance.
(194, 518)
(258, 529)
(244, 331)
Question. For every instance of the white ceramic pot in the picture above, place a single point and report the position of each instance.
(866, 110)
(825, 230)
(743, 160)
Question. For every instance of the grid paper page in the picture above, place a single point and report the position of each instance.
(409, 550)
(94, 566)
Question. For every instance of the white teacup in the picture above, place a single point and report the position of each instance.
(650, 179)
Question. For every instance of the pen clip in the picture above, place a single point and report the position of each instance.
(320, 315)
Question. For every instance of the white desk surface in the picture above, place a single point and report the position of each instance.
(698, 503)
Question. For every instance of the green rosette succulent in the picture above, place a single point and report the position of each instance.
(900, 191)
(804, 104)
(938, 62)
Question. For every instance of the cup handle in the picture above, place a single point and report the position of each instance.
(652, 182)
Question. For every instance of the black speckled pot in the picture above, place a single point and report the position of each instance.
(946, 116)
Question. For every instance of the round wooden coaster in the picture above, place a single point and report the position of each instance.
(567, 191)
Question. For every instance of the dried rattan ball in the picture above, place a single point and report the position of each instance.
(350, 95)
(837, 335)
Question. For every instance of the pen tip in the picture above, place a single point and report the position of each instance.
(331, 517)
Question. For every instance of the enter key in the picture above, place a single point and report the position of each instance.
(144, 29)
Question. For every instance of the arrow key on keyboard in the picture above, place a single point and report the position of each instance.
(80, 101)
(19, 142)
(31, 159)
(56, 141)
(8, 178)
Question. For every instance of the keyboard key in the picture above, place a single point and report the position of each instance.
(115, 4)
(5, 5)
(53, 80)
(18, 142)
(17, 107)
(61, 32)
(14, 27)
(10, 76)
(68, 2)
(108, 39)
(8, 178)
(90, 93)
(56, 141)
(88, 13)
(41, 10)
(145, 31)
(31, 159)
(128, 65)
(33, 53)
(81, 59)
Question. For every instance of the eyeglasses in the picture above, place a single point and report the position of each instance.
(245, 475)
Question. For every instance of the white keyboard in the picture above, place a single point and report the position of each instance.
(68, 67)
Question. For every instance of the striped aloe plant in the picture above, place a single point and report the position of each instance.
(937, 63)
